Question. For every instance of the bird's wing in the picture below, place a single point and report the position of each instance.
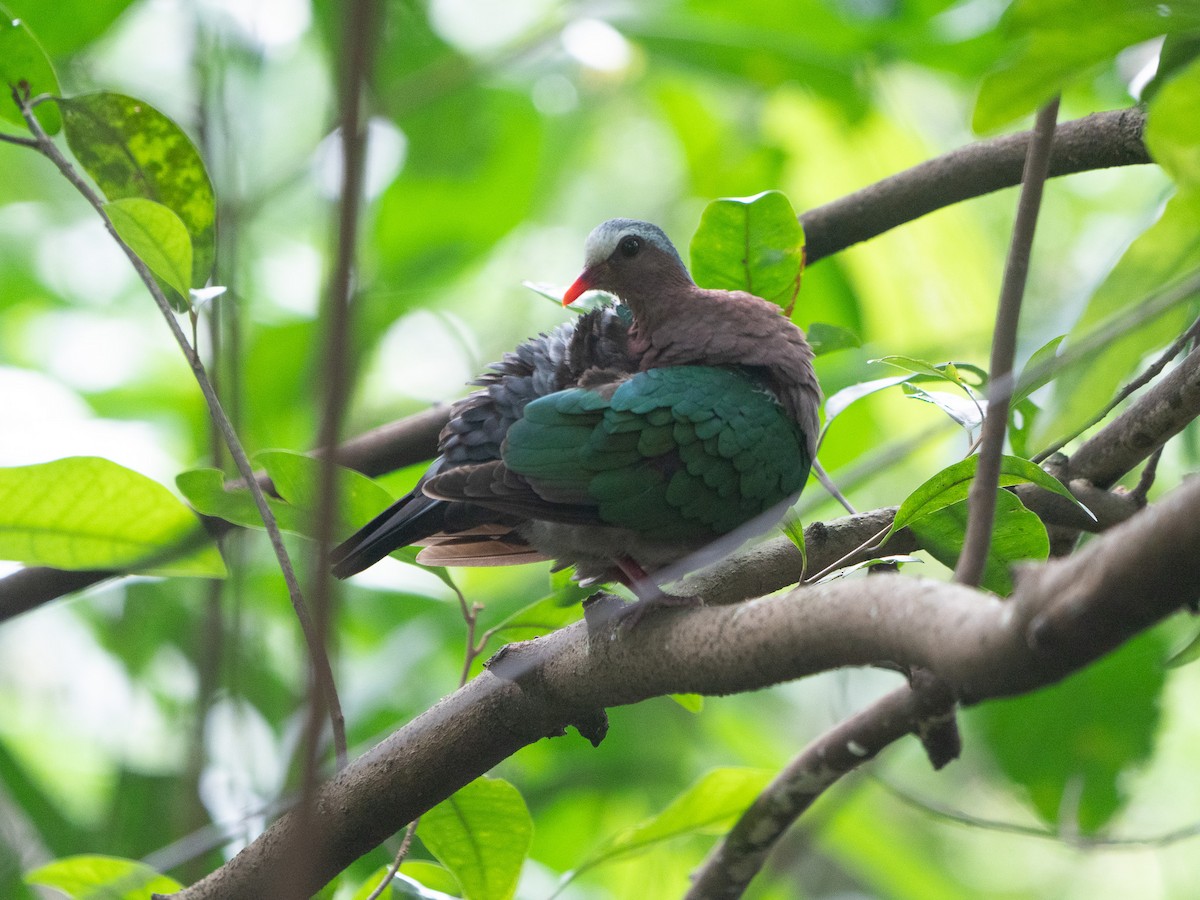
(676, 453)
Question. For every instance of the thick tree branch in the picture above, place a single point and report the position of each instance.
(1099, 141)
(1064, 614)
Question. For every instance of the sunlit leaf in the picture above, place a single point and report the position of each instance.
(24, 66)
(102, 878)
(90, 513)
(750, 244)
(132, 150)
(1018, 535)
(1073, 746)
(482, 835)
(157, 236)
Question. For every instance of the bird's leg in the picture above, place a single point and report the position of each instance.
(649, 594)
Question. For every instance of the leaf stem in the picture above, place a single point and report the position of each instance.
(981, 500)
(322, 672)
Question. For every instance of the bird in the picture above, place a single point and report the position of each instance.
(622, 442)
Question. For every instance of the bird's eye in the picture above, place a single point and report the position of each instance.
(629, 246)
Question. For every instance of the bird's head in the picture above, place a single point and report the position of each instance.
(630, 259)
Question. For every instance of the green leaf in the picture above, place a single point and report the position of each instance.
(132, 150)
(709, 806)
(66, 26)
(947, 371)
(90, 513)
(1059, 41)
(1038, 371)
(1171, 132)
(157, 236)
(1021, 419)
(1167, 251)
(794, 529)
(753, 244)
(825, 338)
(1189, 653)
(1017, 535)
(23, 63)
(1177, 52)
(482, 835)
(543, 616)
(205, 490)
(102, 878)
(693, 703)
(296, 477)
(952, 484)
(1074, 746)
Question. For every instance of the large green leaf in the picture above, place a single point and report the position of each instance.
(1072, 746)
(66, 26)
(133, 150)
(1171, 131)
(753, 244)
(1058, 41)
(1017, 535)
(90, 513)
(295, 478)
(1167, 251)
(952, 484)
(157, 236)
(102, 878)
(24, 66)
(482, 835)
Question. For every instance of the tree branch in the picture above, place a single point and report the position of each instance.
(1098, 141)
(975, 644)
(981, 500)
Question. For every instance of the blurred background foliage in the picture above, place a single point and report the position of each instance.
(159, 719)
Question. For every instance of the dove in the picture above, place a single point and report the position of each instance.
(622, 442)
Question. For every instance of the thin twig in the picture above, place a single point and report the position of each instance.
(19, 141)
(318, 658)
(1146, 481)
(982, 497)
(397, 862)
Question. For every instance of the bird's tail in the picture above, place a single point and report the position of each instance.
(405, 522)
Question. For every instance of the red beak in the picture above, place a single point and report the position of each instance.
(580, 286)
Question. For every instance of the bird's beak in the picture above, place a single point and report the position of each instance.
(581, 284)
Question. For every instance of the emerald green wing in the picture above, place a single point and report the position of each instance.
(679, 452)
